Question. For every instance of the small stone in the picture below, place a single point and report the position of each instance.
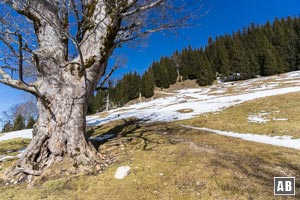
(161, 174)
(98, 167)
(122, 172)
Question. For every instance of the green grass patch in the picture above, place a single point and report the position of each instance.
(13, 145)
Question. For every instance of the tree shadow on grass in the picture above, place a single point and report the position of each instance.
(130, 129)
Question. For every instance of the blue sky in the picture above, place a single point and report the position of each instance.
(224, 16)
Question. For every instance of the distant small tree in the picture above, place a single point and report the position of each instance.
(19, 123)
(30, 122)
(27, 108)
(176, 59)
(7, 127)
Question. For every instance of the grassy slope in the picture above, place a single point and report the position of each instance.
(235, 118)
(171, 162)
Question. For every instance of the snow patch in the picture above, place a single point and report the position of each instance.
(4, 158)
(280, 119)
(103, 138)
(258, 118)
(283, 141)
(293, 74)
(27, 133)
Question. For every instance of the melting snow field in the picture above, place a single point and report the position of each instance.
(203, 100)
(212, 99)
(27, 133)
(166, 109)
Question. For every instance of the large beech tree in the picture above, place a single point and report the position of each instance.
(58, 50)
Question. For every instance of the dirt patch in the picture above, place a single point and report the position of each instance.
(188, 110)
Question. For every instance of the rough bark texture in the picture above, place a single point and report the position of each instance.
(60, 130)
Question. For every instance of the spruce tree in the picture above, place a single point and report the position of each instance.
(223, 61)
(19, 123)
(148, 84)
(239, 64)
(161, 75)
(7, 127)
(134, 87)
(30, 123)
(205, 75)
(267, 57)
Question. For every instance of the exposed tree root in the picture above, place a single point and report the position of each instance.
(38, 160)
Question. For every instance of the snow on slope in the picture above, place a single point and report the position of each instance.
(211, 99)
(27, 133)
(167, 109)
(203, 100)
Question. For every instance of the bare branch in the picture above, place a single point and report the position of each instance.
(100, 87)
(20, 57)
(6, 79)
(143, 8)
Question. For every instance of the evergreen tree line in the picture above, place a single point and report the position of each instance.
(253, 51)
(19, 123)
(130, 87)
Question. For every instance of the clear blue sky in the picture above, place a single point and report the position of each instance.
(225, 16)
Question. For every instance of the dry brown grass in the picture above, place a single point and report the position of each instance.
(235, 118)
(171, 162)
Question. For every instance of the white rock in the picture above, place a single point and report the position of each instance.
(122, 172)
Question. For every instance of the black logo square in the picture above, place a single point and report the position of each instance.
(284, 185)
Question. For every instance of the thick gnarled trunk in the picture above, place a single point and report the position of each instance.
(60, 130)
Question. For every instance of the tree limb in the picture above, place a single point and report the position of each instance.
(100, 87)
(6, 79)
(20, 57)
(143, 8)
